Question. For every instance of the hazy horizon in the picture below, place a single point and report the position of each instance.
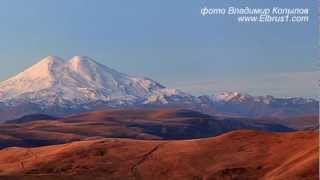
(171, 44)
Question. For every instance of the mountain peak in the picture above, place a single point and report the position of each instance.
(232, 96)
(36, 78)
(81, 59)
(78, 80)
(43, 68)
(51, 60)
(78, 62)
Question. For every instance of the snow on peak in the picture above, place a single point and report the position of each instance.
(82, 61)
(93, 71)
(44, 67)
(166, 95)
(241, 97)
(80, 79)
(38, 77)
(231, 96)
(52, 59)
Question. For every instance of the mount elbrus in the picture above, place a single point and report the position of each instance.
(58, 87)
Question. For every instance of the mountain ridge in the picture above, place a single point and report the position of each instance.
(81, 80)
(59, 87)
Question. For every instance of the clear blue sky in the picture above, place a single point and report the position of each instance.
(168, 41)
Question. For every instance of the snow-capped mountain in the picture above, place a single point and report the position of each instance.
(245, 105)
(169, 96)
(237, 97)
(59, 87)
(81, 83)
(79, 80)
(231, 97)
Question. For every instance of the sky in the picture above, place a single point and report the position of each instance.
(168, 41)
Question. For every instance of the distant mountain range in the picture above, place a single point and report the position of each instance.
(58, 87)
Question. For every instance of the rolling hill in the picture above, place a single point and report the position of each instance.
(235, 155)
(160, 123)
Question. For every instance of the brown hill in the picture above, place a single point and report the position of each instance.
(301, 123)
(165, 124)
(235, 155)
